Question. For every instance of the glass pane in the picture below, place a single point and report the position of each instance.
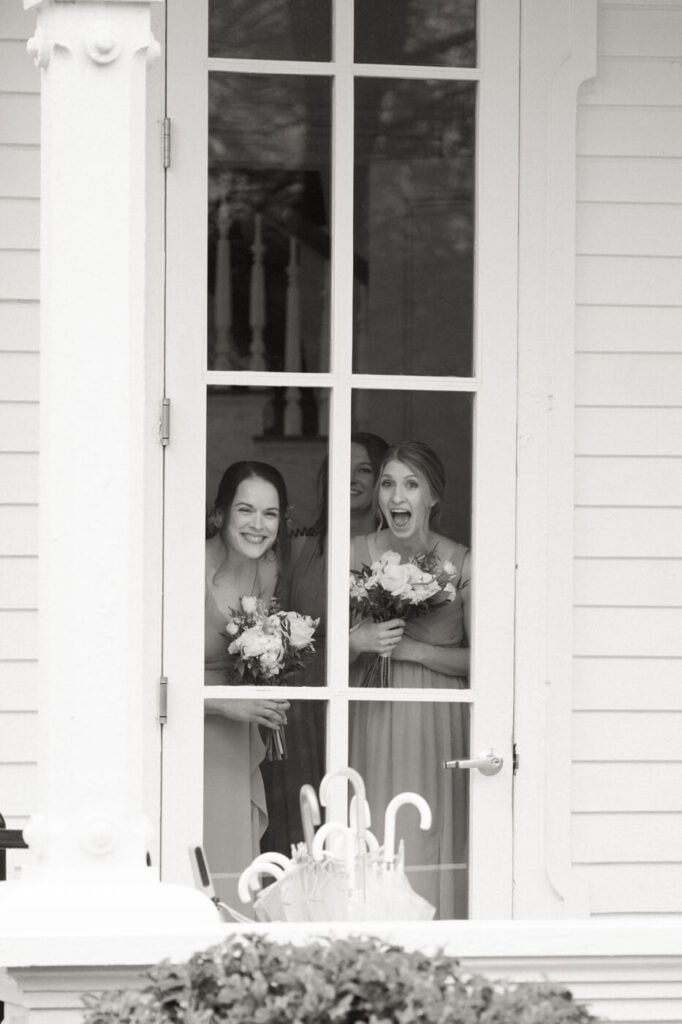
(270, 29)
(259, 546)
(268, 222)
(400, 747)
(414, 227)
(250, 807)
(436, 32)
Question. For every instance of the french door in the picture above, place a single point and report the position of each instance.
(341, 262)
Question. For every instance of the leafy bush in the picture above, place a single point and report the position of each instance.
(252, 980)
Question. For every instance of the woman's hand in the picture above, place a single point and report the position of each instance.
(375, 638)
(262, 711)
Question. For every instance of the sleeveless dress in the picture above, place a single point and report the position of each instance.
(304, 591)
(399, 747)
(235, 814)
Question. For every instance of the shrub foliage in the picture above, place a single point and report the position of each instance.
(252, 980)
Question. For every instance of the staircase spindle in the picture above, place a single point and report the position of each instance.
(257, 298)
(222, 299)
(293, 419)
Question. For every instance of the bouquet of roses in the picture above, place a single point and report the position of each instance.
(266, 645)
(391, 589)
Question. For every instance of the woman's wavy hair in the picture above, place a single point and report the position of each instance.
(233, 476)
(420, 456)
(375, 447)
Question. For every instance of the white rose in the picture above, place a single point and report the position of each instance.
(269, 661)
(272, 624)
(395, 579)
(449, 568)
(249, 604)
(231, 628)
(389, 558)
(302, 629)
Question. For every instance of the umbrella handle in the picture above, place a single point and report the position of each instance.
(389, 819)
(310, 814)
(353, 814)
(358, 785)
(249, 880)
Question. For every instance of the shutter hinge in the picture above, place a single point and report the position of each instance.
(163, 700)
(515, 759)
(164, 429)
(166, 128)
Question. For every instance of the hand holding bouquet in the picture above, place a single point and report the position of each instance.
(266, 646)
(391, 589)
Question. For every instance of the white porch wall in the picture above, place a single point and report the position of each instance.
(19, 342)
(627, 718)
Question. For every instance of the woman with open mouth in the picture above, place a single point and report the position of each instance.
(402, 746)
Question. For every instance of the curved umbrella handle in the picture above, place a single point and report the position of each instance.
(356, 780)
(310, 814)
(249, 880)
(328, 829)
(353, 813)
(389, 819)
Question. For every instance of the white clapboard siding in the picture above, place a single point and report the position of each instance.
(18, 583)
(19, 119)
(632, 532)
(629, 328)
(19, 344)
(19, 274)
(634, 582)
(19, 685)
(19, 736)
(19, 223)
(627, 684)
(627, 786)
(624, 229)
(627, 179)
(644, 83)
(629, 632)
(628, 431)
(19, 530)
(630, 131)
(623, 480)
(643, 280)
(19, 426)
(616, 838)
(19, 327)
(628, 378)
(18, 635)
(18, 478)
(657, 888)
(18, 377)
(627, 736)
(633, 31)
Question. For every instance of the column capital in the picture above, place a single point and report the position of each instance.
(101, 30)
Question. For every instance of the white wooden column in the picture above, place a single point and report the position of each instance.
(90, 838)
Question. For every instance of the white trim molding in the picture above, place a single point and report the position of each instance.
(558, 53)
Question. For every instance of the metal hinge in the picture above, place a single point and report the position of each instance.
(166, 128)
(163, 700)
(515, 759)
(164, 429)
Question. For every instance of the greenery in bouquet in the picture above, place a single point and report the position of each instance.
(392, 589)
(253, 980)
(265, 647)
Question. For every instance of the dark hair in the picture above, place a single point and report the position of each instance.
(419, 456)
(375, 447)
(233, 476)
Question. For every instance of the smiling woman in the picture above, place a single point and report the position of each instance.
(246, 546)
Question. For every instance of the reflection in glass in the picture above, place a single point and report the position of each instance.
(268, 222)
(250, 474)
(414, 227)
(270, 29)
(436, 32)
(399, 747)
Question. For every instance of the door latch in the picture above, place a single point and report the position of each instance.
(487, 762)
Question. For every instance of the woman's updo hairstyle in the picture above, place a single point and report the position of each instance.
(421, 457)
(233, 476)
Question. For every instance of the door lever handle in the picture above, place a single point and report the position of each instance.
(487, 762)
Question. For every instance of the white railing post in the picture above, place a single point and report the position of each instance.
(257, 298)
(222, 297)
(293, 421)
